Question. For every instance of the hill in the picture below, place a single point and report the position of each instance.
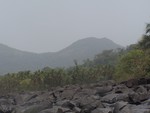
(13, 60)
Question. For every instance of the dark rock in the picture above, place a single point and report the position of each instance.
(140, 89)
(137, 98)
(87, 109)
(90, 107)
(96, 97)
(101, 91)
(142, 81)
(55, 110)
(6, 106)
(102, 110)
(140, 109)
(68, 104)
(119, 106)
(46, 111)
(61, 102)
(88, 91)
(112, 98)
(134, 82)
(85, 101)
(147, 87)
(31, 97)
(122, 88)
(131, 96)
(107, 105)
(97, 104)
(77, 110)
(58, 109)
(35, 108)
(68, 94)
(148, 80)
(83, 93)
(131, 83)
(125, 109)
(24, 98)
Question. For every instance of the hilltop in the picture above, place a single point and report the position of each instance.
(13, 60)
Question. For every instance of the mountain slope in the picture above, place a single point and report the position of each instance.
(81, 50)
(13, 60)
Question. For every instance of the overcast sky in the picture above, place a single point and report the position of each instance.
(50, 25)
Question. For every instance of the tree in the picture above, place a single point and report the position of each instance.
(134, 64)
(144, 43)
(107, 57)
(148, 29)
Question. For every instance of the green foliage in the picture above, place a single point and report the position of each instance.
(134, 64)
(147, 28)
(107, 57)
(144, 43)
(49, 77)
(25, 84)
(121, 64)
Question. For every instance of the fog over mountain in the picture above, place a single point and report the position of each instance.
(50, 25)
(13, 60)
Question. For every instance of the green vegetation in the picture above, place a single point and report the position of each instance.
(102, 67)
(48, 77)
(136, 62)
(121, 64)
(107, 57)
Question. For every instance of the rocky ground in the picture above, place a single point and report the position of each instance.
(105, 97)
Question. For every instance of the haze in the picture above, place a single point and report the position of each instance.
(50, 25)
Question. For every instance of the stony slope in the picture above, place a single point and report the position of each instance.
(104, 97)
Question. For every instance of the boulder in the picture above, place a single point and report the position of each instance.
(101, 91)
(86, 100)
(35, 108)
(77, 110)
(140, 89)
(140, 109)
(112, 98)
(119, 106)
(137, 98)
(68, 94)
(6, 106)
(132, 96)
(102, 110)
(122, 88)
(87, 108)
(56, 109)
(46, 111)
(68, 104)
(126, 109)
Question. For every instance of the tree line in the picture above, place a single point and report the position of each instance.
(120, 64)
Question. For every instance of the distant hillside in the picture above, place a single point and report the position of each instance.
(13, 60)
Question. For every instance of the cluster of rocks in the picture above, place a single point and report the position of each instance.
(104, 97)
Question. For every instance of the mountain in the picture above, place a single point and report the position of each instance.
(13, 60)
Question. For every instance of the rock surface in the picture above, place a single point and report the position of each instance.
(104, 97)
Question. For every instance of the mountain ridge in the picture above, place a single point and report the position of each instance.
(13, 60)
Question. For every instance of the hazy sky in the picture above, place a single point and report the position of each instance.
(50, 25)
